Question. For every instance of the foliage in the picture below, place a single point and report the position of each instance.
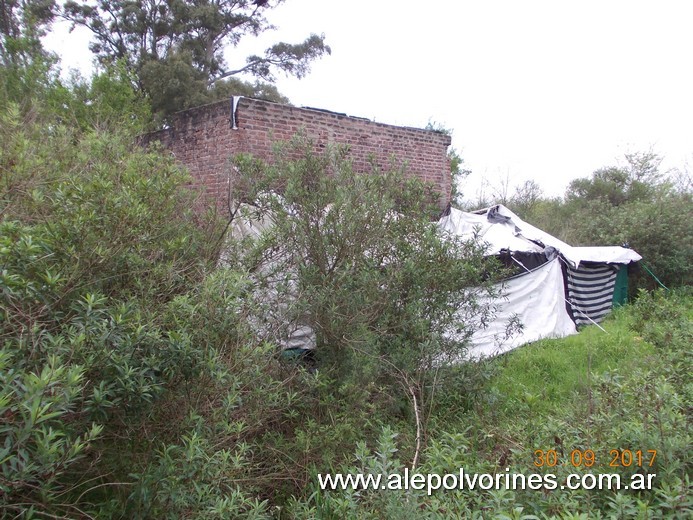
(633, 204)
(131, 376)
(631, 395)
(141, 377)
(172, 85)
(208, 420)
(108, 221)
(246, 432)
(258, 90)
(94, 237)
(372, 276)
(106, 101)
(639, 180)
(457, 168)
(22, 24)
(38, 446)
(26, 69)
(355, 259)
(655, 229)
(194, 480)
(526, 197)
(176, 48)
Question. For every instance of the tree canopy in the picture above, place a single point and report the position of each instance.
(633, 202)
(143, 374)
(638, 179)
(176, 48)
(22, 23)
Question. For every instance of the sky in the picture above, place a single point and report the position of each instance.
(547, 90)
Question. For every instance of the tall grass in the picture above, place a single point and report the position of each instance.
(625, 388)
(550, 373)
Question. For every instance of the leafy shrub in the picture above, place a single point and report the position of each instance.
(356, 258)
(69, 368)
(654, 229)
(632, 204)
(95, 237)
(360, 261)
(641, 406)
(194, 479)
(39, 447)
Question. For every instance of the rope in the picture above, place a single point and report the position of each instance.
(653, 276)
(564, 298)
(573, 306)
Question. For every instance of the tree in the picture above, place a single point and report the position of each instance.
(633, 203)
(355, 257)
(22, 23)
(25, 67)
(638, 179)
(527, 195)
(175, 47)
(94, 234)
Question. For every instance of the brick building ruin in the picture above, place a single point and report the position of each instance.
(203, 139)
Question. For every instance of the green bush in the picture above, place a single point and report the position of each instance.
(360, 260)
(40, 443)
(142, 378)
(356, 258)
(96, 238)
(194, 480)
(638, 404)
(633, 204)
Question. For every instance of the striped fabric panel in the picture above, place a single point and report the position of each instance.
(591, 291)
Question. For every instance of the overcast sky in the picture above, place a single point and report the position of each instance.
(548, 90)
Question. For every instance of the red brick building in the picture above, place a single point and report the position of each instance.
(203, 139)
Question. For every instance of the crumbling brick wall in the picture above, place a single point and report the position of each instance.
(203, 139)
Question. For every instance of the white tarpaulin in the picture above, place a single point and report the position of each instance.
(279, 322)
(498, 236)
(501, 229)
(536, 299)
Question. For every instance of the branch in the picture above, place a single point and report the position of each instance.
(291, 58)
(229, 73)
(405, 382)
(418, 425)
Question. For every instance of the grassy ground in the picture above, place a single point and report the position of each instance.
(628, 388)
(549, 374)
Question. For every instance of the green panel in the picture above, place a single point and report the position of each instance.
(621, 287)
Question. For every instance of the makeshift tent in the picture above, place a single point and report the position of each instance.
(557, 286)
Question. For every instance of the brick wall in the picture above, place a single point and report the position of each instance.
(202, 139)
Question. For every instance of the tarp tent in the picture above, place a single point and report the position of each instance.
(558, 286)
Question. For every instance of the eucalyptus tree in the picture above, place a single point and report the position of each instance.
(176, 47)
(22, 24)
